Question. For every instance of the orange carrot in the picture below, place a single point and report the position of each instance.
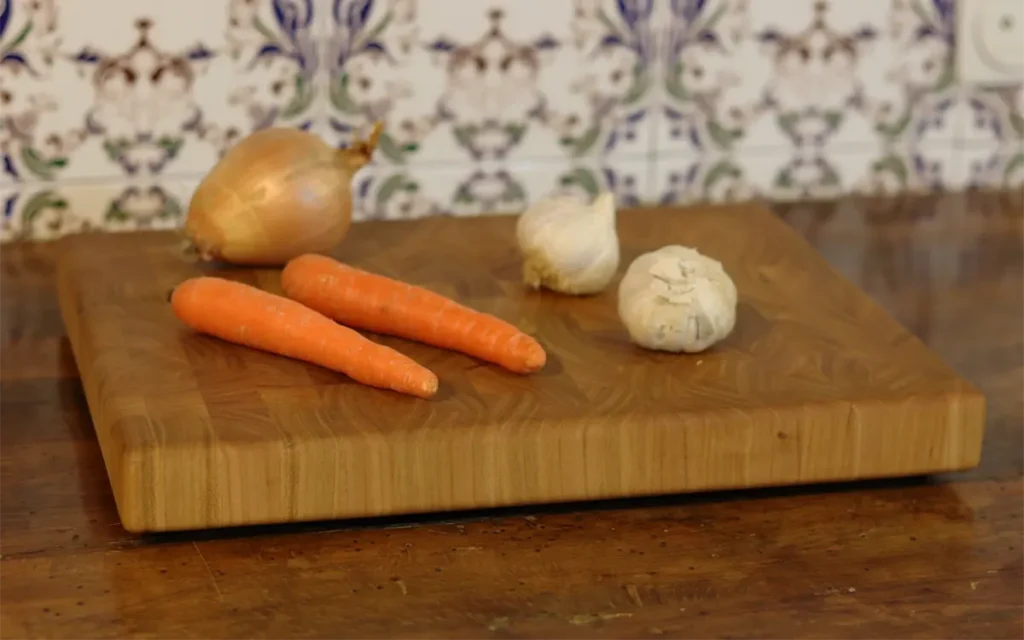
(242, 314)
(377, 303)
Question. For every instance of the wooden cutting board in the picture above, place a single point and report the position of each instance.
(816, 384)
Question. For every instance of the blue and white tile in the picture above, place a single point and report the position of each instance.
(126, 89)
(986, 167)
(741, 76)
(786, 176)
(47, 211)
(469, 81)
(394, 193)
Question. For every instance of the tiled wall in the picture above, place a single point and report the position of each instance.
(112, 110)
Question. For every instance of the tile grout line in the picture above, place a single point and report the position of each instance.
(520, 165)
(651, 158)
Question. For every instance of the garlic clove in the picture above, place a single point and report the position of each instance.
(569, 246)
(676, 299)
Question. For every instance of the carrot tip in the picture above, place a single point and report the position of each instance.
(535, 359)
(538, 362)
(431, 387)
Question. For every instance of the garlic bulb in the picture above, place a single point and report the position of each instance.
(675, 299)
(569, 246)
(278, 193)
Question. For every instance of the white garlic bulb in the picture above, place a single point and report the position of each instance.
(569, 246)
(676, 299)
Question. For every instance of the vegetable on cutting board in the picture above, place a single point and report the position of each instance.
(676, 299)
(245, 315)
(280, 192)
(568, 245)
(377, 303)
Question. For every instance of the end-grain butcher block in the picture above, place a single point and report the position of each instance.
(815, 383)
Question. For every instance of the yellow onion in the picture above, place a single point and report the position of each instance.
(280, 192)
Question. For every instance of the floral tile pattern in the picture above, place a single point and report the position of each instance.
(385, 192)
(992, 154)
(819, 85)
(467, 81)
(683, 179)
(153, 92)
(472, 84)
(45, 211)
(112, 110)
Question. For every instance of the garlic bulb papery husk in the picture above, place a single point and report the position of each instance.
(568, 245)
(676, 299)
(277, 194)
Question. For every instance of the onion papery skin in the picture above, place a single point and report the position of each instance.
(277, 194)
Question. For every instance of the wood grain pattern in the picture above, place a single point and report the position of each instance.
(934, 557)
(817, 383)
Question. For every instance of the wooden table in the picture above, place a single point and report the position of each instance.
(932, 557)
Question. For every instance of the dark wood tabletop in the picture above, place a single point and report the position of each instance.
(936, 557)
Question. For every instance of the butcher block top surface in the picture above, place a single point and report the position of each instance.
(936, 557)
(816, 383)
